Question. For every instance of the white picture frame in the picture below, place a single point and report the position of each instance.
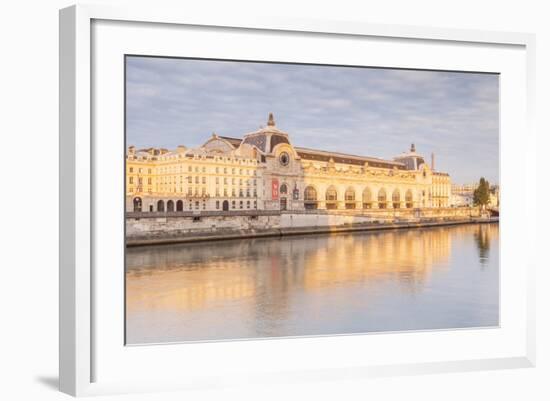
(83, 344)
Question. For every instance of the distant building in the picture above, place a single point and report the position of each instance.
(264, 171)
(494, 196)
(463, 195)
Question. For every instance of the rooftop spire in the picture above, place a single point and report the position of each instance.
(271, 121)
(413, 148)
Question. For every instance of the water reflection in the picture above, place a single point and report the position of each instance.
(327, 284)
(483, 241)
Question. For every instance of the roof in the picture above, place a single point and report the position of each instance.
(344, 158)
(235, 142)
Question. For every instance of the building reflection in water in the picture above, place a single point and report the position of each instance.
(314, 285)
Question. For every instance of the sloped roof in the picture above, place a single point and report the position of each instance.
(344, 158)
(235, 142)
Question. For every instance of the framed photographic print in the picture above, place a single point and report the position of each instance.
(276, 200)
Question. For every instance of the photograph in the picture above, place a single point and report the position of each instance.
(276, 199)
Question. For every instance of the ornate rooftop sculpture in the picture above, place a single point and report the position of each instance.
(271, 121)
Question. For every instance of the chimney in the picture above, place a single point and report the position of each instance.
(433, 161)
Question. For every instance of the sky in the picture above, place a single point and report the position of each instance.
(362, 111)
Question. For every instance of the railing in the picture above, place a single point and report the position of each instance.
(203, 213)
(417, 213)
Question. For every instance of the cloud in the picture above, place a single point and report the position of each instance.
(371, 111)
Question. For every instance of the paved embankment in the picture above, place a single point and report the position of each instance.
(280, 232)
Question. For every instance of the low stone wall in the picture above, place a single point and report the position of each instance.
(150, 228)
(175, 226)
(289, 220)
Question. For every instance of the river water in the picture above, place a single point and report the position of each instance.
(419, 279)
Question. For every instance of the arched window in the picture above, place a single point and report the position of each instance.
(331, 198)
(160, 206)
(367, 198)
(396, 198)
(382, 198)
(409, 199)
(283, 190)
(310, 194)
(137, 204)
(179, 206)
(349, 197)
(170, 206)
(310, 198)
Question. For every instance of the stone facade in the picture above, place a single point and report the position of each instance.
(264, 171)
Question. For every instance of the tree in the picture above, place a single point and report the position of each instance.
(481, 193)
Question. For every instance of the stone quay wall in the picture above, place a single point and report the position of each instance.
(171, 227)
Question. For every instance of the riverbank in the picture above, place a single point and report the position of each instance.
(220, 235)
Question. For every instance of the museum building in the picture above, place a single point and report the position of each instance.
(264, 171)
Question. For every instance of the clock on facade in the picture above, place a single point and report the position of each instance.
(284, 158)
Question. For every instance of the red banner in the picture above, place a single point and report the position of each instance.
(274, 189)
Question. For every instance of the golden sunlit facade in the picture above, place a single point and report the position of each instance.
(264, 171)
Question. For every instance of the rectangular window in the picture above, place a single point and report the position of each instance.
(131, 180)
(131, 169)
(217, 204)
(241, 204)
(197, 179)
(204, 180)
